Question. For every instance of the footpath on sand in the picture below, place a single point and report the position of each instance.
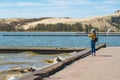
(104, 66)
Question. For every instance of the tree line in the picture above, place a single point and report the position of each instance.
(6, 27)
(78, 27)
(115, 21)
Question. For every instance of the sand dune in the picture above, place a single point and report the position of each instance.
(24, 24)
(97, 21)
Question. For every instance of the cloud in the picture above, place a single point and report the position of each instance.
(69, 2)
(27, 4)
(111, 1)
(56, 3)
(7, 4)
(24, 8)
(47, 3)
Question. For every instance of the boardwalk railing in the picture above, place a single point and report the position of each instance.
(53, 68)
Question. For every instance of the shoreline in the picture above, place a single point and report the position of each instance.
(59, 32)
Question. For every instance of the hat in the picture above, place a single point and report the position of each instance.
(92, 30)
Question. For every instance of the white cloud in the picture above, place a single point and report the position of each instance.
(69, 2)
(27, 4)
(111, 2)
(51, 3)
(56, 8)
(7, 4)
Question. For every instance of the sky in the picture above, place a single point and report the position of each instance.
(57, 8)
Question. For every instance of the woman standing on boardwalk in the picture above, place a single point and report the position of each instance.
(92, 35)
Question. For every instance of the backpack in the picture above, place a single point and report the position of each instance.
(96, 39)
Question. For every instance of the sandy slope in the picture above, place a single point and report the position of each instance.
(97, 21)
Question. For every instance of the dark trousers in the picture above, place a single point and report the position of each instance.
(93, 50)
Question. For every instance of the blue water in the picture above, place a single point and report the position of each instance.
(53, 41)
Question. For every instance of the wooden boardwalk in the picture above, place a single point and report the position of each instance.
(104, 66)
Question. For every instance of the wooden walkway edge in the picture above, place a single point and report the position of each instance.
(104, 66)
(53, 68)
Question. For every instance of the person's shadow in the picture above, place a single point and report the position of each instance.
(104, 55)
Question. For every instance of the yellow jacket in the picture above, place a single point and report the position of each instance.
(92, 36)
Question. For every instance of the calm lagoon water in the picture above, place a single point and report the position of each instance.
(50, 41)
(53, 41)
(29, 59)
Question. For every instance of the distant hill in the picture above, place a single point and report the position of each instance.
(101, 23)
(15, 24)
